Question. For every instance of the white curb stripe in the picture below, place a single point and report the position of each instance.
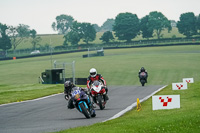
(30, 100)
(133, 105)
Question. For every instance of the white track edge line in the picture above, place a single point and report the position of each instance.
(133, 105)
(30, 100)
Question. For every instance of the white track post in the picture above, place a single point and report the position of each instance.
(88, 52)
(54, 64)
(63, 65)
(73, 71)
(64, 73)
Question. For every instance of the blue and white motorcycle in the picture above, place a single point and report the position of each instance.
(82, 102)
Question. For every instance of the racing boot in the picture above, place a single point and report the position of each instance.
(93, 114)
(106, 97)
(70, 104)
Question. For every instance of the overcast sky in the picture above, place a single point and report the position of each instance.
(40, 14)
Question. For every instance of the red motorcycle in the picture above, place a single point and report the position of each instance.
(98, 92)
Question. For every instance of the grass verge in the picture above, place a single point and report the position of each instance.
(18, 93)
(183, 120)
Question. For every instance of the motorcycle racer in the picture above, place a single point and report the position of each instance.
(143, 70)
(68, 89)
(68, 85)
(94, 76)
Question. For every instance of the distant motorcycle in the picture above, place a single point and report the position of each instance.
(82, 102)
(143, 77)
(98, 91)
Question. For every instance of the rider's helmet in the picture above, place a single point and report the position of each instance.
(93, 72)
(142, 69)
(68, 85)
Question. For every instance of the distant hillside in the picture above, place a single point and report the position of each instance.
(57, 40)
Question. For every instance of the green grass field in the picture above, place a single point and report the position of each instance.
(165, 65)
(119, 66)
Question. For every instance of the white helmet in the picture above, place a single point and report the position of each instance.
(93, 72)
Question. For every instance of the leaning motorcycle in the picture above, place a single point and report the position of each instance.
(143, 77)
(98, 92)
(82, 102)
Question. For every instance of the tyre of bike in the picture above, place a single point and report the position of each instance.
(143, 82)
(100, 102)
(84, 110)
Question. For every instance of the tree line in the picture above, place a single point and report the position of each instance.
(126, 26)
(11, 37)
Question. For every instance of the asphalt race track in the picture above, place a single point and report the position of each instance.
(50, 114)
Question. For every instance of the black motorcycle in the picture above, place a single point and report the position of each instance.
(82, 102)
(143, 78)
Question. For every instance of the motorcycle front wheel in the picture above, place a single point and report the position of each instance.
(100, 101)
(142, 82)
(85, 111)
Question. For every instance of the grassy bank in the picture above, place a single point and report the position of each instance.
(119, 66)
(183, 120)
(18, 93)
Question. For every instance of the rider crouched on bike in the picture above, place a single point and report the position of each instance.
(143, 70)
(94, 76)
(68, 85)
